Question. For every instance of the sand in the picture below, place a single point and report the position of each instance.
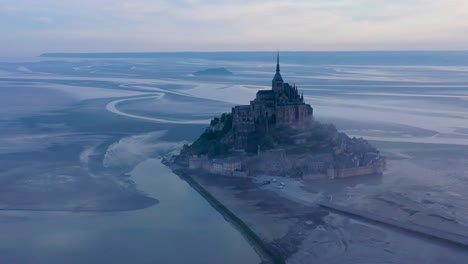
(417, 187)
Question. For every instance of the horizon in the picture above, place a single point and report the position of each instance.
(247, 51)
(225, 26)
(388, 57)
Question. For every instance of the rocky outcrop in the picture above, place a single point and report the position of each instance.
(213, 72)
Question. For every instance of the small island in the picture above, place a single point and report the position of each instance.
(277, 135)
(213, 71)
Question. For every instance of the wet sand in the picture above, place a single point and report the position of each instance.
(410, 190)
(280, 223)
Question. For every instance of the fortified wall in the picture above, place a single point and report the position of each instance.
(373, 169)
(230, 166)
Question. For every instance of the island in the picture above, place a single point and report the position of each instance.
(213, 71)
(254, 164)
(277, 135)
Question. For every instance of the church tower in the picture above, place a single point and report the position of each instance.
(277, 82)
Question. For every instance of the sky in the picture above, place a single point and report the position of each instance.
(38, 26)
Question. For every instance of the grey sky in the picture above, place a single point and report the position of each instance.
(36, 26)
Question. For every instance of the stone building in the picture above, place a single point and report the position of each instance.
(280, 106)
(228, 166)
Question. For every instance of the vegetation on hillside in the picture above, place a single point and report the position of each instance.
(212, 142)
(314, 137)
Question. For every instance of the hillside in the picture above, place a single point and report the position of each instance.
(315, 142)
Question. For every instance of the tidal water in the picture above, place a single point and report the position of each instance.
(183, 228)
(81, 137)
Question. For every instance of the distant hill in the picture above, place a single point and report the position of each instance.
(213, 71)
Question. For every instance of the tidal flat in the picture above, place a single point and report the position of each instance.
(69, 166)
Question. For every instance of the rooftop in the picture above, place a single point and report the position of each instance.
(266, 92)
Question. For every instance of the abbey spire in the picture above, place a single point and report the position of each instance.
(277, 63)
(277, 82)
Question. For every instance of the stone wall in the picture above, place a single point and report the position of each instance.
(197, 161)
(293, 114)
(227, 167)
(377, 169)
(278, 163)
(242, 124)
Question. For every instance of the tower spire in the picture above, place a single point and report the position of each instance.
(277, 62)
(277, 82)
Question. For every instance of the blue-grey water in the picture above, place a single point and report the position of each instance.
(81, 137)
(183, 228)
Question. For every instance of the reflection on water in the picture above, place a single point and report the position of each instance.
(182, 228)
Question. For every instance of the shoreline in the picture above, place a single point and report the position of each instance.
(300, 230)
(265, 254)
(78, 210)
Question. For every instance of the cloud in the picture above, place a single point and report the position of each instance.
(163, 25)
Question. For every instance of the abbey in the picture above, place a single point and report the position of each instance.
(276, 134)
(280, 106)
